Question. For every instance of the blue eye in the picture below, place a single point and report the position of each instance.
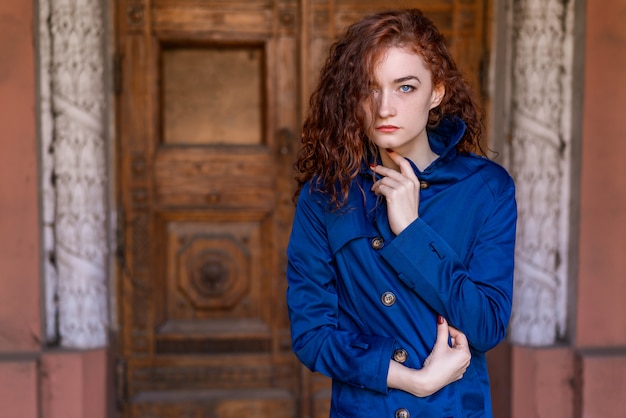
(406, 88)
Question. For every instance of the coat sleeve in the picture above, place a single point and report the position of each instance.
(317, 339)
(475, 298)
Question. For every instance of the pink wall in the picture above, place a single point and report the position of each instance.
(74, 384)
(34, 382)
(602, 275)
(587, 377)
(18, 388)
(543, 383)
(601, 311)
(20, 327)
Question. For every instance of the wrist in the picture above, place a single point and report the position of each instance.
(413, 381)
(420, 383)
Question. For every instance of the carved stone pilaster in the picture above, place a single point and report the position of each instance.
(47, 173)
(75, 171)
(540, 161)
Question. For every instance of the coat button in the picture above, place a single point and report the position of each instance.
(402, 413)
(400, 355)
(378, 243)
(388, 298)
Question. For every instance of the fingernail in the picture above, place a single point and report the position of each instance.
(388, 150)
(372, 165)
(440, 319)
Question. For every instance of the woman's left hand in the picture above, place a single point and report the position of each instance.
(401, 189)
(444, 365)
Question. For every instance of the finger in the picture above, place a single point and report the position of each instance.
(460, 340)
(393, 181)
(404, 178)
(405, 167)
(384, 187)
(442, 332)
(388, 185)
(386, 171)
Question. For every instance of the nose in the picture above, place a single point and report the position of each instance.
(386, 107)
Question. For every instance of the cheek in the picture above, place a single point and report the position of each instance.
(365, 116)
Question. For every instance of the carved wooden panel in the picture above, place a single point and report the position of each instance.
(221, 177)
(215, 288)
(212, 95)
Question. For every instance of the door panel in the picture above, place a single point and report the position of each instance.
(192, 79)
(204, 154)
(210, 102)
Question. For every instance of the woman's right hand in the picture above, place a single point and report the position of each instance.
(444, 365)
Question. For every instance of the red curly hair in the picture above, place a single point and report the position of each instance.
(334, 140)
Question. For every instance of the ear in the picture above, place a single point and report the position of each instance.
(438, 92)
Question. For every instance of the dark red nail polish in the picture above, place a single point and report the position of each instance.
(440, 319)
(388, 150)
(372, 165)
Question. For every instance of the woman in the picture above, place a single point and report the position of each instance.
(400, 228)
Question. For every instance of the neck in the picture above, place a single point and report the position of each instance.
(421, 157)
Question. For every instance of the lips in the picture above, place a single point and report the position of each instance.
(387, 128)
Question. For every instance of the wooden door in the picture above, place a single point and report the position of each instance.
(210, 95)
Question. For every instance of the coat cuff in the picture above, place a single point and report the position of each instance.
(371, 358)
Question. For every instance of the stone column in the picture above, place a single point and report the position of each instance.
(540, 158)
(74, 162)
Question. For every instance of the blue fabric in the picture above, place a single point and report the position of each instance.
(456, 260)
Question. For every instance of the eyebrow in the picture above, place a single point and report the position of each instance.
(407, 78)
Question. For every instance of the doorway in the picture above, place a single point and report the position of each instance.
(210, 100)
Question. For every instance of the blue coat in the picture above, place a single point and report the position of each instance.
(358, 294)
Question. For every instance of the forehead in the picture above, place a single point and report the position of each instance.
(397, 62)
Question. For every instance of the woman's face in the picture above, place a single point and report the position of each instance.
(401, 96)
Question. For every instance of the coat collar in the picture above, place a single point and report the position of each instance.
(444, 137)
